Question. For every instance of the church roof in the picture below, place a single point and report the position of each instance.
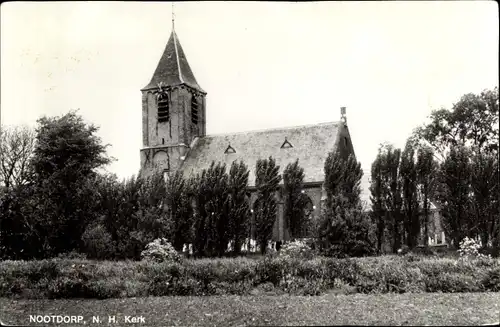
(173, 67)
(309, 143)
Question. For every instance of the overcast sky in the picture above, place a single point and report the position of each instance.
(263, 64)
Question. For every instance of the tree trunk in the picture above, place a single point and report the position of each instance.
(484, 238)
(426, 222)
(380, 231)
(263, 247)
(396, 233)
(494, 235)
(406, 235)
(237, 246)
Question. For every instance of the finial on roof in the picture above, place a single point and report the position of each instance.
(343, 116)
(173, 17)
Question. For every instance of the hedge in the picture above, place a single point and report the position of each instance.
(77, 278)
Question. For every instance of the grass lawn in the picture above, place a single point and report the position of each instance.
(358, 309)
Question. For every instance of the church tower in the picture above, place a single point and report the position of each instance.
(173, 111)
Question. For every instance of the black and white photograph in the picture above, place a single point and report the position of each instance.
(230, 163)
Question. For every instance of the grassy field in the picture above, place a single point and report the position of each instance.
(262, 310)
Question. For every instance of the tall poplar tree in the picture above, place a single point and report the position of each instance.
(408, 172)
(267, 181)
(295, 200)
(239, 206)
(377, 198)
(426, 176)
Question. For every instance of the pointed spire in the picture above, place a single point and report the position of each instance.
(173, 67)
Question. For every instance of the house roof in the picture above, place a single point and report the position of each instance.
(173, 67)
(310, 144)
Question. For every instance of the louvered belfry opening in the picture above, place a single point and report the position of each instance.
(163, 108)
(194, 110)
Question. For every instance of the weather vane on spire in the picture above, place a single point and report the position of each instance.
(173, 16)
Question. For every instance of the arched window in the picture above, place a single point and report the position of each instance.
(163, 108)
(194, 110)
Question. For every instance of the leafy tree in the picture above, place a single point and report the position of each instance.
(393, 199)
(455, 175)
(179, 208)
(345, 227)
(239, 212)
(19, 236)
(485, 190)
(152, 216)
(65, 160)
(111, 201)
(16, 148)
(408, 173)
(267, 181)
(295, 200)
(131, 211)
(473, 121)
(377, 197)
(67, 149)
(427, 168)
(97, 242)
(342, 177)
(123, 221)
(212, 216)
(148, 218)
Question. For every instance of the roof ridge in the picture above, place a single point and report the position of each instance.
(177, 56)
(273, 129)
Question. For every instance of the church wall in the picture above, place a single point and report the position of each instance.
(169, 131)
(145, 120)
(279, 230)
(203, 117)
(163, 158)
(165, 132)
(189, 131)
(278, 227)
(345, 143)
(152, 118)
(173, 136)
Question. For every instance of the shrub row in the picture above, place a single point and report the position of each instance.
(63, 278)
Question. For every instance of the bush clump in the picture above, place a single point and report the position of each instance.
(160, 250)
(448, 282)
(491, 282)
(298, 249)
(98, 243)
(469, 248)
(76, 278)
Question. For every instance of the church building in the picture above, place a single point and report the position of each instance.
(174, 136)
